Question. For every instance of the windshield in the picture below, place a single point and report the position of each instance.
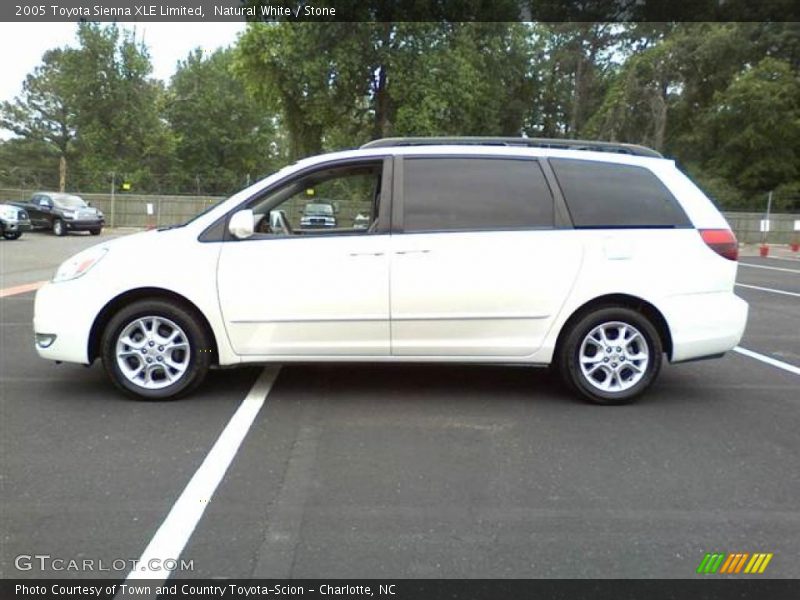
(319, 209)
(69, 202)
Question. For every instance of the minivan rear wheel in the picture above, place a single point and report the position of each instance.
(155, 350)
(611, 355)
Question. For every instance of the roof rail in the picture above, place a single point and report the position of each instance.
(633, 149)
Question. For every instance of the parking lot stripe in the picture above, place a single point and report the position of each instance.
(763, 289)
(744, 264)
(21, 289)
(170, 539)
(768, 359)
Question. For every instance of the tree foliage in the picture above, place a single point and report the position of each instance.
(221, 133)
(719, 97)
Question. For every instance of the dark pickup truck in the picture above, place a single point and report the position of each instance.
(62, 213)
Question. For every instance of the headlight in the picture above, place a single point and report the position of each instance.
(78, 265)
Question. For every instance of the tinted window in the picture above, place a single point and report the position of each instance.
(611, 195)
(474, 193)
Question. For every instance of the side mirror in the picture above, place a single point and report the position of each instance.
(46, 207)
(242, 224)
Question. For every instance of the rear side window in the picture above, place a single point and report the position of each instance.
(468, 194)
(612, 195)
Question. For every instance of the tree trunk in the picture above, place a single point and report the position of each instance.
(62, 173)
(659, 107)
(577, 97)
(382, 124)
(381, 106)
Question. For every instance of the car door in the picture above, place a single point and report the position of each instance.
(47, 210)
(313, 292)
(35, 211)
(482, 259)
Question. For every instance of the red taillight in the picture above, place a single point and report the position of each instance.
(721, 241)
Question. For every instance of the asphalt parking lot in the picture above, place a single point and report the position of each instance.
(352, 471)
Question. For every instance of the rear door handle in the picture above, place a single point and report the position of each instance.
(412, 252)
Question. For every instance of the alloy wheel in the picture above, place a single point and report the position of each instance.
(613, 356)
(153, 352)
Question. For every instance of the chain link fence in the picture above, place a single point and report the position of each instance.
(783, 228)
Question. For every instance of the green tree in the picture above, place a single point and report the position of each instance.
(119, 108)
(45, 112)
(222, 134)
(755, 126)
(572, 73)
(299, 70)
(339, 84)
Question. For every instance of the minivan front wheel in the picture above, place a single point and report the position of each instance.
(611, 355)
(155, 350)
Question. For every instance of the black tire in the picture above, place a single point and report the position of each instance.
(199, 345)
(12, 235)
(95, 231)
(59, 228)
(569, 352)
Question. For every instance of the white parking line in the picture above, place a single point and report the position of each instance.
(177, 528)
(768, 359)
(744, 264)
(763, 289)
(789, 258)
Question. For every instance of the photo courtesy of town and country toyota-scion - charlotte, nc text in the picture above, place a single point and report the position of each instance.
(158, 10)
(188, 590)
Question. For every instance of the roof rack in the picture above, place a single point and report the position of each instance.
(619, 148)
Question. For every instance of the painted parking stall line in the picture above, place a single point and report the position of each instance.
(744, 264)
(21, 289)
(765, 289)
(173, 534)
(768, 360)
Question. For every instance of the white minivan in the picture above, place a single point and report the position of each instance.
(595, 257)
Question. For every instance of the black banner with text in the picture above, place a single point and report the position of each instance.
(403, 589)
(398, 10)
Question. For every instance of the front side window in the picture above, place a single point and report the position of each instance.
(602, 194)
(474, 194)
(335, 200)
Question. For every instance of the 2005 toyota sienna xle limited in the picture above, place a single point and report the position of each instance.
(598, 258)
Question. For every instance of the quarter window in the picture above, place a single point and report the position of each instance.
(613, 195)
(458, 194)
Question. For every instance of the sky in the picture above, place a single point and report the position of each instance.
(22, 46)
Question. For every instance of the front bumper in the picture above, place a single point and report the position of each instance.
(703, 325)
(13, 226)
(62, 309)
(82, 225)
